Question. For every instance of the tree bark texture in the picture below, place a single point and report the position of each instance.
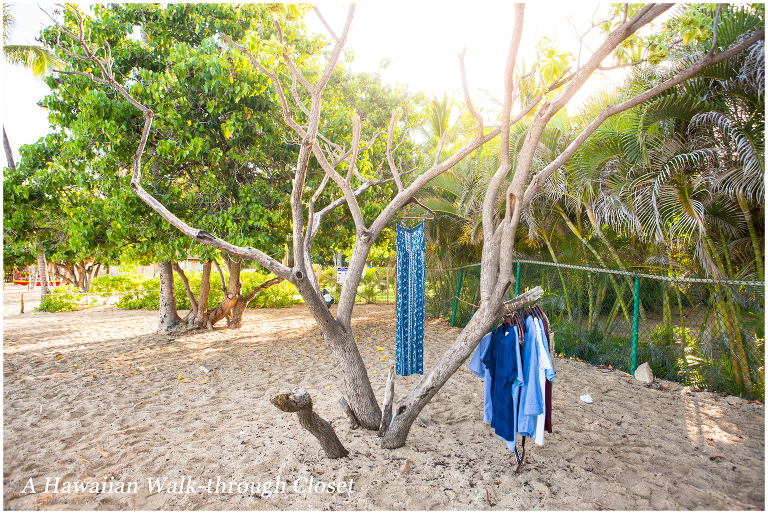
(169, 319)
(358, 390)
(42, 267)
(242, 302)
(300, 402)
(205, 291)
(357, 385)
(389, 398)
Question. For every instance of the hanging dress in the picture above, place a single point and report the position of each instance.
(411, 268)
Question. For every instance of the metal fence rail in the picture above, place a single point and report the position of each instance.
(709, 334)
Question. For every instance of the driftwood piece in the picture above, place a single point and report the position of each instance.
(525, 299)
(347, 410)
(300, 402)
(389, 398)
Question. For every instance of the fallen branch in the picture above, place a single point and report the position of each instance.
(525, 299)
(300, 402)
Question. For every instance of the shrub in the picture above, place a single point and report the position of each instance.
(64, 299)
(280, 295)
(144, 295)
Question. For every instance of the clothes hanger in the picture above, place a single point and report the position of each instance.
(414, 200)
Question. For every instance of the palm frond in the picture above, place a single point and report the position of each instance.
(36, 58)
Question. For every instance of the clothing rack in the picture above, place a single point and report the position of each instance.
(522, 301)
(520, 304)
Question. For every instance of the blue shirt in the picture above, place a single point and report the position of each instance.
(500, 359)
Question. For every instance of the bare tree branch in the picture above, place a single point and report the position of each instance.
(325, 23)
(467, 98)
(356, 125)
(714, 29)
(440, 148)
(610, 110)
(296, 97)
(490, 255)
(287, 59)
(390, 157)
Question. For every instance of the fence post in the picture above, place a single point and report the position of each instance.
(635, 323)
(517, 280)
(456, 299)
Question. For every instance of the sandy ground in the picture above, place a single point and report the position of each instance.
(97, 397)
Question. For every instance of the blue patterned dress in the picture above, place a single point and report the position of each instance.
(411, 268)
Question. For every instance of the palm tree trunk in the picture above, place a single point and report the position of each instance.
(611, 250)
(728, 320)
(599, 259)
(753, 236)
(8, 151)
(562, 280)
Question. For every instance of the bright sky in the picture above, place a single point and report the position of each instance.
(422, 40)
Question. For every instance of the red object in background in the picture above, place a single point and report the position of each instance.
(26, 282)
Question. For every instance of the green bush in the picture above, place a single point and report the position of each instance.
(64, 299)
(280, 295)
(108, 284)
(143, 295)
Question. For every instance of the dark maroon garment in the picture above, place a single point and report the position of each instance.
(547, 383)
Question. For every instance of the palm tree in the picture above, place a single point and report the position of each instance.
(36, 58)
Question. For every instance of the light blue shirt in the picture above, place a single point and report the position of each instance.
(477, 367)
(531, 398)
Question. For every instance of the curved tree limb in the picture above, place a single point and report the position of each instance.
(300, 402)
(610, 110)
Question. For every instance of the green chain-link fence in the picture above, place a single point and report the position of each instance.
(704, 333)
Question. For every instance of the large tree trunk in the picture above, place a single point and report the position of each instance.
(78, 274)
(231, 295)
(359, 392)
(360, 395)
(234, 303)
(42, 267)
(93, 271)
(8, 151)
(169, 319)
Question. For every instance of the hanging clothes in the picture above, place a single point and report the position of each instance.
(411, 269)
(517, 369)
(548, 390)
(546, 375)
(497, 360)
(477, 367)
(503, 362)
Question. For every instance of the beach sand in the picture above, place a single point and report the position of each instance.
(97, 396)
